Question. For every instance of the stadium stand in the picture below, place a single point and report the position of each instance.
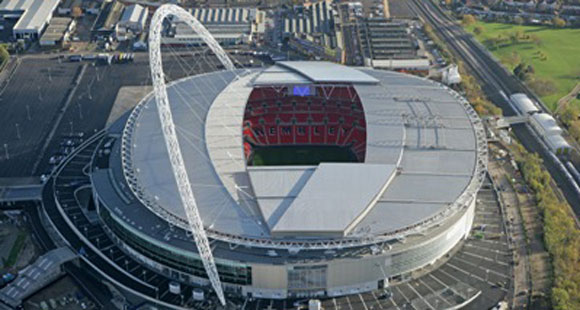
(321, 115)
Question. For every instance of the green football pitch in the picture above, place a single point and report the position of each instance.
(300, 155)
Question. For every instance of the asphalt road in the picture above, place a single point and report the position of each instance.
(29, 103)
(494, 80)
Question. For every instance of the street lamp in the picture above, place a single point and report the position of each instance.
(80, 110)
(17, 131)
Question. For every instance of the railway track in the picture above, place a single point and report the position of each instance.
(498, 83)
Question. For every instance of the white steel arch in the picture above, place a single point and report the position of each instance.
(170, 135)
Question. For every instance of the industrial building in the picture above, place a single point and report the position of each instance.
(314, 22)
(384, 39)
(58, 32)
(229, 26)
(27, 19)
(132, 22)
(134, 18)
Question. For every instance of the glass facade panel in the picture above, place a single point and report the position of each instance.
(307, 277)
(186, 264)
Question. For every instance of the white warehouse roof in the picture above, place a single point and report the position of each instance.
(134, 13)
(33, 14)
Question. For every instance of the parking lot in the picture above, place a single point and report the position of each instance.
(48, 99)
(30, 100)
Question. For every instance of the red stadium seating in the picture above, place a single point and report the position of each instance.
(333, 115)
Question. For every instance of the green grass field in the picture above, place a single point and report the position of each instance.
(555, 56)
(300, 155)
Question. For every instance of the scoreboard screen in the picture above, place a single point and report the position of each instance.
(302, 90)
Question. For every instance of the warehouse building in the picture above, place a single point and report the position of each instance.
(229, 26)
(315, 23)
(382, 39)
(134, 18)
(57, 33)
(27, 18)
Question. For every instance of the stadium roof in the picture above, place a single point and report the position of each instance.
(327, 72)
(421, 156)
(334, 198)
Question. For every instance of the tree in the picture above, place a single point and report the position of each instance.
(468, 19)
(569, 114)
(4, 55)
(478, 30)
(560, 298)
(536, 40)
(558, 22)
(574, 129)
(519, 70)
(519, 20)
(515, 58)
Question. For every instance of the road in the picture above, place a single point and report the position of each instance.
(494, 80)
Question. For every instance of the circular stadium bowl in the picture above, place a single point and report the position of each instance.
(311, 178)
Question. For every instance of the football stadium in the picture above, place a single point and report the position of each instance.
(304, 179)
(311, 179)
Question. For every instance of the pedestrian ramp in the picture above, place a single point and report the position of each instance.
(36, 276)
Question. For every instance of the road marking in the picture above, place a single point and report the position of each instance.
(482, 268)
(473, 276)
(363, 301)
(420, 296)
(449, 287)
(348, 301)
(433, 291)
(487, 249)
(394, 303)
(405, 297)
(377, 300)
(336, 306)
(491, 241)
(485, 258)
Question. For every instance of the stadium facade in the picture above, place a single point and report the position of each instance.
(320, 226)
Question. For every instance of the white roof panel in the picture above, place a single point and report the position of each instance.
(319, 71)
(334, 199)
(272, 182)
(425, 188)
(399, 214)
(35, 13)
